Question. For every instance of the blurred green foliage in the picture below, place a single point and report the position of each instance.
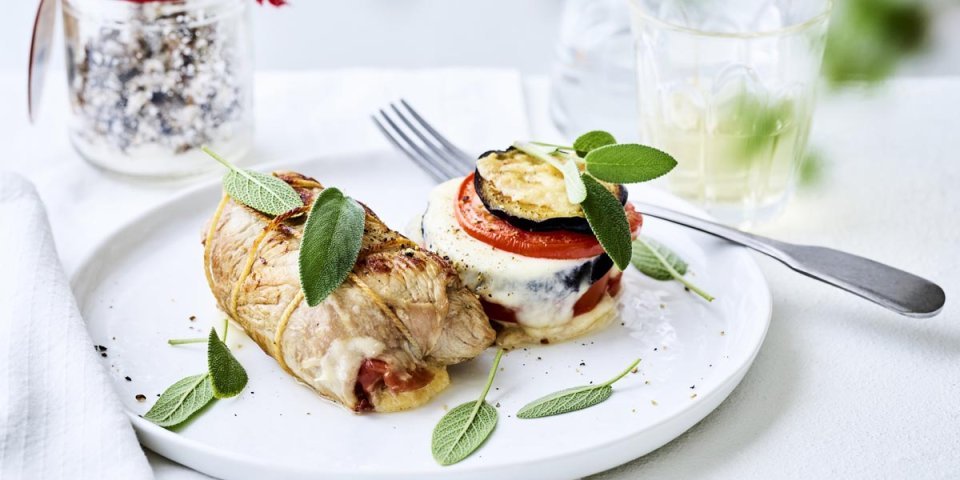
(812, 169)
(760, 122)
(869, 38)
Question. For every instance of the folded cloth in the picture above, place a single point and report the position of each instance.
(59, 415)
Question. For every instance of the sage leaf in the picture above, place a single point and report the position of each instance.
(565, 401)
(227, 376)
(608, 221)
(628, 163)
(464, 428)
(651, 265)
(181, 400)
(576, 192)
(572, 399)
(656, 261)
(592, 140)
(259, 191)
(330, 244)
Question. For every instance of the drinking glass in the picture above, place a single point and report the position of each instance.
(592, 85)
(728, 88)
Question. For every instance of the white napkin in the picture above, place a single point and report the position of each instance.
(59, 416)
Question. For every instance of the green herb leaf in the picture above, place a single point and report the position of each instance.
(257, 190)
(651, 265)
(179, 402)
(654, 259)
(331, 243)
(592, 140)
(572, 399)
(464, 428)
(567, 166)
(565, 401)
(608, 221)
(628, 163)
(226, 374)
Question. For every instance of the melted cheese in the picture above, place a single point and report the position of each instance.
(337, 369)
(532, 183)
(533, 287)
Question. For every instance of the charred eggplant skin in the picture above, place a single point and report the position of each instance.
(574, 224)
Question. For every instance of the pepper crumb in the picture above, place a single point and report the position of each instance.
(141, 397)
(103, 354)
(193, 318)
(127, 378)
(583, 364)
(723, 332)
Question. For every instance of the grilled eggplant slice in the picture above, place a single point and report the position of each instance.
(529, 193)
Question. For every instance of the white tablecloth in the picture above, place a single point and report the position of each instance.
(841, 387)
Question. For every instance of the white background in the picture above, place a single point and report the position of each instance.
(423, 33)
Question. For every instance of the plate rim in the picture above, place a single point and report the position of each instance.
(150, 434)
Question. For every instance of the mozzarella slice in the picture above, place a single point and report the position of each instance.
(541, 291)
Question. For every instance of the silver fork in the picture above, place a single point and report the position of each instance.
(891, 288)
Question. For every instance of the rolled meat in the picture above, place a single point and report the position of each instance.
(380, 342)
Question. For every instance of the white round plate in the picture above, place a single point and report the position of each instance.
(145, 284)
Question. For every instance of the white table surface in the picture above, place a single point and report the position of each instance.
(841, 387)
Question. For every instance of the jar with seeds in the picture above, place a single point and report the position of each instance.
(151, 81)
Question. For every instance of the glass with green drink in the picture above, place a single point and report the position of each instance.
(728, 88)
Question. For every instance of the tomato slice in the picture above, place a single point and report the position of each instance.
(479, 223)
(374, 372)
(591, 298)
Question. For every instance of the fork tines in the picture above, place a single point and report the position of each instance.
(416, 138)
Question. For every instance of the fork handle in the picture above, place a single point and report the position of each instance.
(891, 288)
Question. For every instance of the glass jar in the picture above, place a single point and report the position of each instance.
(151, 81)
